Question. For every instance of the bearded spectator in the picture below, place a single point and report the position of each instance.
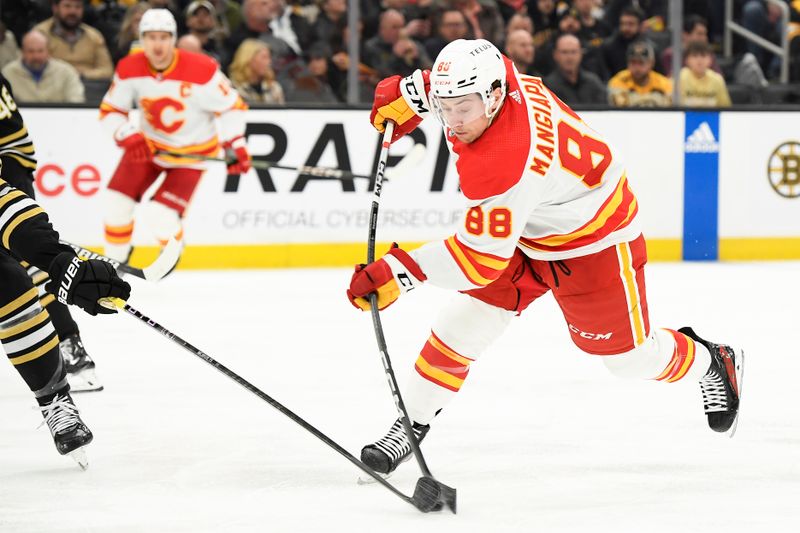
(80, 45)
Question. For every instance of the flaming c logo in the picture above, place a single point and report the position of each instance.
(154, 108)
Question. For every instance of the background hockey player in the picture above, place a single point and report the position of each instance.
(183, 99)
(18, 157)
(26, 332)
(549, 209)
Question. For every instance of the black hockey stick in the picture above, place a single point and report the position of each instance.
(436, 494)
(320, 172)
(420, 500)
(156, 270)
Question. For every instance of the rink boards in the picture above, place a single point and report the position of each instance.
(710, 186)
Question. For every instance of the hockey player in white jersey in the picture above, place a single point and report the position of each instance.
(187, 107)
(549, 208)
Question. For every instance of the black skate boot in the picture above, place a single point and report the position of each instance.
(80, 367)
(722, 385)
(386, 454)
(69, 432)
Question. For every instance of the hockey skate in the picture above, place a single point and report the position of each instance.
(386, 454)
(69, 432)
(80, 367)
(722, 385)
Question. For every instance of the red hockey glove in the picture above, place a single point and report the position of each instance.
(133, 141)
(389, 277)
(404, 101)
(239, 160)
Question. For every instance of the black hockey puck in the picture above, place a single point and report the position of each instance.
(430, 495)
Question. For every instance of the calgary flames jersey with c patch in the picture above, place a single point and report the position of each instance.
(538, 179)
(179, 105)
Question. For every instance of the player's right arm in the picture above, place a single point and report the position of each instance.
(114, 109)
(404, 101)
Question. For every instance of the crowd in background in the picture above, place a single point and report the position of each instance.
(277, 52)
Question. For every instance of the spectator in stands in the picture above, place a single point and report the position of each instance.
(568, 22)
(615, 48)
(201, 21)
(229, 16)
(654, 12)
(311, 84)
(569, 81)
(520, 50)
(36, 77)
(8, 46)
(258, 14)
(695, 28)
(252, 75)
(483, 17)
(545, 20)
(331, 20)
(190, 43)
(699, 85)
(293, 28)
(509, 8)
(593, 28)
(390, 52)
(127, 40)
(520, 21)
(451, 25)
(639, 85)
(763, 19)
(78, 44)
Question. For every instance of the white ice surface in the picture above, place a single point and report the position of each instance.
(542, 438)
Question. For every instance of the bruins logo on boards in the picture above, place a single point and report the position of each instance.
(783, 169)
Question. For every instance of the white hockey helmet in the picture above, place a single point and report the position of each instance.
(464, 67)
(158, 20)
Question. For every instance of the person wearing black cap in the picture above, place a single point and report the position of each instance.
(638, 85)
(201, 20)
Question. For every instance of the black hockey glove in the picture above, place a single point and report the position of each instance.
(83, 283)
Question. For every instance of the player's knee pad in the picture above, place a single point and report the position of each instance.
(469, 326)
(164, 222)
(119, 208)
(643, 362)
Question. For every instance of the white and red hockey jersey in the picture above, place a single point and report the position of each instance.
(189, 108)
(538, 179)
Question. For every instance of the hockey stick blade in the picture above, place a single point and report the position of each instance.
(117, 303)
(407, 165)
(159, 268)
(431, 495)
(166, 261)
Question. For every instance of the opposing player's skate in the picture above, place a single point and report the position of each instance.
(69, 432)
(386, 454)
(722, 385)
(80, 367)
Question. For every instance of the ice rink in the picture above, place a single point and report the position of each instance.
(542, 437)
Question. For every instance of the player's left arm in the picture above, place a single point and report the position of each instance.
(481, 249)
(220, 98)
(476, 255)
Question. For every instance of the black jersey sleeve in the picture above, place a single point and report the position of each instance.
(25, 229)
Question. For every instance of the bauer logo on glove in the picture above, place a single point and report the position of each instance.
(389, 277)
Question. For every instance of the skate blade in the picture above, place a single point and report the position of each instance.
(364, 479)
(84, 381)
(79, 456)
(739, 376)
